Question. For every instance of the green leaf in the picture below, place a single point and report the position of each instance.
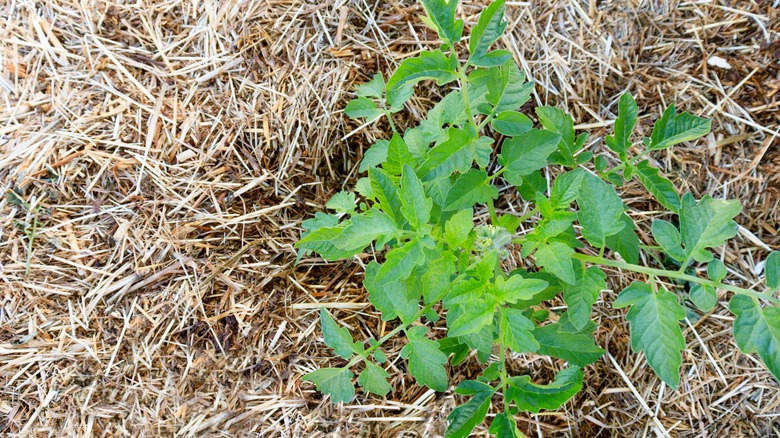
(716, 270)
(706, 224)
(555, 258)
(448, 111)
(457, 153)
(400, 262)
(655, 329)
(581, 295)
(398, 155)
(428, 65)
(555, 120)
(374, 156)
(425, 359)
(600, 210)
(464, 418)
(441, 18)
(704, 297)
(626, 242)
(668, 237)
(386, 193)
(458, 227)
(400, 298)
(489, 28)
(772, 270)
(576, 348)
(337, 338)
(624, 125)
(416, 206)
(757, 330)
(515, 331)
(363, 229)
(342, 202)
(373, 88)
(470, 188)
(673, 128)
(529, 396)
(374, 379)
(660, 187)
(335, 382)
(511, 123)
(363, 108)
(526, 153)
(504, 426)
(566, 188)
(438, 277)
(474, 317)
(502, 87)
(517, 288)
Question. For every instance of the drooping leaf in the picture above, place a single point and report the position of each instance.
(416, 206)
(425, 359)
(373, 88)
(624, 125)
(441, 18)
(337, 338)
(579, 349)
(655, 328)
(342, 202)
(660, 187)
(464, 418)
(363, 107)
(555, 258)
(673, 128)
(757, 330)
(511, 123)
(374, 379)
(600, 210)
(526, 153)
(515, 331)
(772, 270)
(470, 188)
(335, 382)
(581, 295)
(529, 396)
(428, 65)
(625, 242)
(706, 224)
(489, 28)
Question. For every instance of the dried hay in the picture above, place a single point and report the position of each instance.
(158, 158)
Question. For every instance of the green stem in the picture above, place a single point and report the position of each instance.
(463, 80)
(389, 115)
(674, 274)
(498, 173)
(528, 215)
(503, 374)
(492, 210)
(30, 239)
(622, 166)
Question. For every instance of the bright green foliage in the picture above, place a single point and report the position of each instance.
(757, 330)
(673, 128)
(655, 329)
(374, 379)
(432, 218)
(532, 397)
(335, 382)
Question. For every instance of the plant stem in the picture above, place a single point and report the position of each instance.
(463, 80)
(528, 215)
(492, 210)
(622, 166)
(674, 274)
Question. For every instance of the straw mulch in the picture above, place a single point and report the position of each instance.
(157, 159)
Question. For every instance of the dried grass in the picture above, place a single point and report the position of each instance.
(158, 158)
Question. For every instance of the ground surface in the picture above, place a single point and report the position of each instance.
(157, 159)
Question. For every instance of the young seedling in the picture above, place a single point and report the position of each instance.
(418, 200)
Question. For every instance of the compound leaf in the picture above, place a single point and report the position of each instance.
(428, 65)
(489, 28)
(441, 18)
(655, 329)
